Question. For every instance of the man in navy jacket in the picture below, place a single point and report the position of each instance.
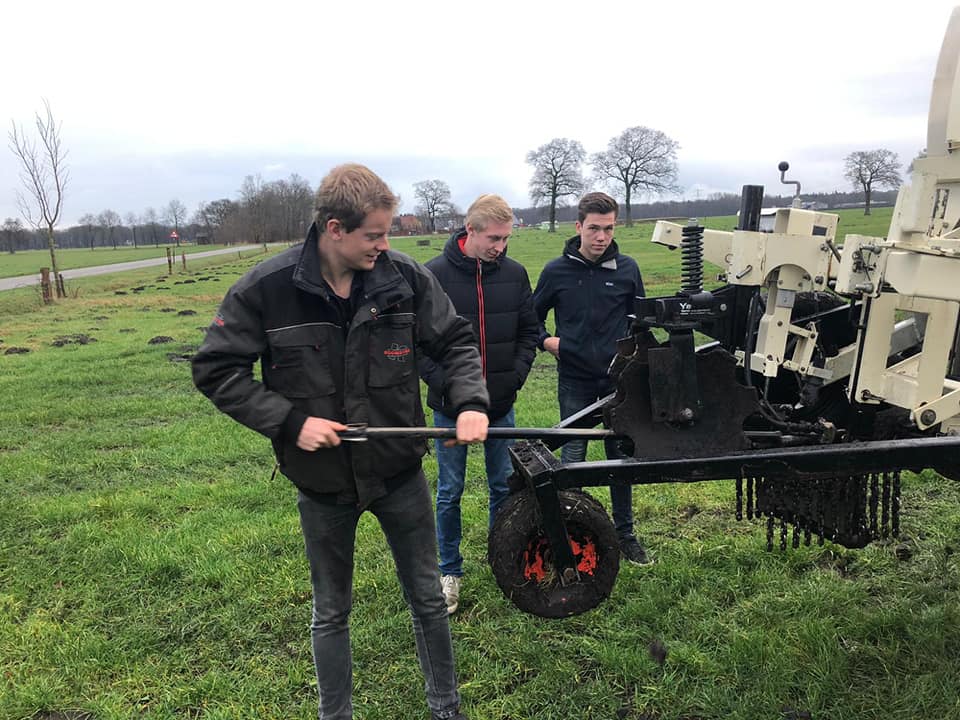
(493, 292)
(591, 289)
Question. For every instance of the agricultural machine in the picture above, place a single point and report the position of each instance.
(830, 370)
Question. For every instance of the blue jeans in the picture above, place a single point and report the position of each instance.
(452, 464)
(574, 396)
(329, 533)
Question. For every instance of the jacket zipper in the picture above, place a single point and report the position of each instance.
(483, 322)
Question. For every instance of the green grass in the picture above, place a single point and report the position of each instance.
(151, 568)
(29, 262)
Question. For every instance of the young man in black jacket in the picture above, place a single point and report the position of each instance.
(337, 325)
(591, 289)
(493, 292)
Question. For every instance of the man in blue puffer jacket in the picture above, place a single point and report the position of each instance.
(591, 289)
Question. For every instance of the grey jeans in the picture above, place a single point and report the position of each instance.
(329, 532)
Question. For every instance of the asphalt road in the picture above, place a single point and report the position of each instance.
(27, 280)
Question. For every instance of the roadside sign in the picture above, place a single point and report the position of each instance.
(173, 235)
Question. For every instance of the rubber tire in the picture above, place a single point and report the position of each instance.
(517, 525)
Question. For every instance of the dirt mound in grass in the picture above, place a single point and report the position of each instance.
(76, 339)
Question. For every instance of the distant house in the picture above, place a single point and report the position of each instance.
(407, 224)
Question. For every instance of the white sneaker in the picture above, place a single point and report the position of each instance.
(450, 584)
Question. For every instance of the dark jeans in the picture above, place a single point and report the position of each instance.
(452, 470)
(329, 532)
(574, 396)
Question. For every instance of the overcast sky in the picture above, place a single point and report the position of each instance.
(183, 99)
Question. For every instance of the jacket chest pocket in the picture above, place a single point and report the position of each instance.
(300, 363)
(392, 356)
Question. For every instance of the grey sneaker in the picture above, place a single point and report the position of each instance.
(633, 551)
(450, 584)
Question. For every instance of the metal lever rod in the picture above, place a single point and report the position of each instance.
(359, 433)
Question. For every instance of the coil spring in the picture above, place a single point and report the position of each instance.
(691, 259)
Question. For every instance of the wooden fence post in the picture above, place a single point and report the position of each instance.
(169, 261)
(61, 288)
(183, 259)
(45, 285)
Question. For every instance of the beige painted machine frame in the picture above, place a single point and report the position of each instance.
(914, 271)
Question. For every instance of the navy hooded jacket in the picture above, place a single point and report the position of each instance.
(591, 303)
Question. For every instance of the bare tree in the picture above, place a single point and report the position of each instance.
(133, 221)
(557, 173)
(44, 175)
(866, 168)
(150, 220)
(109, 220)
(214, 215)
(296, 202)
(13, 234)
(639, 160)
(253, 200)
(89, 223)
(175, 213)
(433, 201)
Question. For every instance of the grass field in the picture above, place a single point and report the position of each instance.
(29, 262)
(151, 568)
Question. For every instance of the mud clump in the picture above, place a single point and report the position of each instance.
(77, 339)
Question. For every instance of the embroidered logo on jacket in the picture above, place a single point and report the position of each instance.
(397, 353)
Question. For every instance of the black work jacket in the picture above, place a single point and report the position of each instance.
(281, 313)
(496, 298)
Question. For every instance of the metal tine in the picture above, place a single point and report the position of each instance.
(740, 496)
(885, 507)
(783, 535)
(750, 497)
(896, 503)
(770, 533)
(796, 536)
(874, 500)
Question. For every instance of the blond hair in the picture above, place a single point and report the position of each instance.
(488, 208)
(349, 193)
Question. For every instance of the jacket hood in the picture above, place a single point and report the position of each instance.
(453, 253)
(609, 258)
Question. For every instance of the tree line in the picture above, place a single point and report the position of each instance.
(263, 212)
(638, 162)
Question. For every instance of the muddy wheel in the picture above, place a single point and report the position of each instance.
(519, 555)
